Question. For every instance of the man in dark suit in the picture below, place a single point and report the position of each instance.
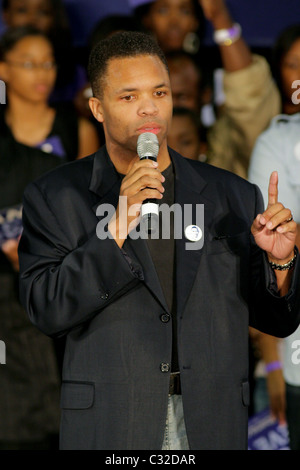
(156, 332)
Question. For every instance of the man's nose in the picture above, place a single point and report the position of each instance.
(147, 107)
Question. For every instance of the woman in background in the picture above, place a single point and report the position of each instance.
(34, 138)
(50, 17)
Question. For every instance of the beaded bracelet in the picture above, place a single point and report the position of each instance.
(284, 267)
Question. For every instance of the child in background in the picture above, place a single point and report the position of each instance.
(186, 134)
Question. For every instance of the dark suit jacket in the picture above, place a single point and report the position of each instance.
(109, 304)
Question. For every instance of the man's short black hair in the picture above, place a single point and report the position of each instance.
(121, 44)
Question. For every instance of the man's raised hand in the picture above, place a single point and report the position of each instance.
(275, 230)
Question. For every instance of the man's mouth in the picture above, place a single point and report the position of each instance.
(154, 128)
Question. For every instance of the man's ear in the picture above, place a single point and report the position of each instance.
(96, 108)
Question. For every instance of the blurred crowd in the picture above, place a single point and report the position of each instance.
(233, 108)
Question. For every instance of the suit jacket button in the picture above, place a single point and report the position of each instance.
(164, 367)
(165, 317)
(104, 296)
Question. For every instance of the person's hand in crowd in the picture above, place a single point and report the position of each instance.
(238, 56)
(214, 9)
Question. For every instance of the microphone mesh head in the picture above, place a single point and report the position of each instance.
(147, 145)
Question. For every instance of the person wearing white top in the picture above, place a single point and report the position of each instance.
(279, 148)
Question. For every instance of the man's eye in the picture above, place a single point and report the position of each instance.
(127, 98)
(160, 93)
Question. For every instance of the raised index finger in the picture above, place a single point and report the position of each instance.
(273, 189)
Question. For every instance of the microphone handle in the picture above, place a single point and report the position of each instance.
(149, 210)
(150, 157)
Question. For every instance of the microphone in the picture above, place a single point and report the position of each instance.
(148, 147)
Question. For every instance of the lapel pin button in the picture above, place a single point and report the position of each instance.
(193, 233)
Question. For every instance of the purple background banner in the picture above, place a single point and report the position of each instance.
(264, 433)
(261, 20)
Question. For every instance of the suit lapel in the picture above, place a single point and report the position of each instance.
(105, 184)
(138, 250)
(190, 190)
